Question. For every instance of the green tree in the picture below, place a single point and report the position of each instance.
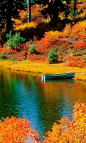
(52, 56)
(66, 8)
(73, 12)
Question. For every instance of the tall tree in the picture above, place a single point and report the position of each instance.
(8, 14)
(54, 18)
(74, 7)
(29, 10)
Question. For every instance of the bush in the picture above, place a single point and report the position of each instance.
(69, 131)
(84, 58)
(2, 55)
(17, 130)
(32, 49)
(14, 40)
(52, 56)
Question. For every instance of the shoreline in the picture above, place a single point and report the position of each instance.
(43, 68)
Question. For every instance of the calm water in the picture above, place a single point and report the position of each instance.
(42, 103)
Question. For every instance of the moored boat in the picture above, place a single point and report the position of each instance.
(58, 76)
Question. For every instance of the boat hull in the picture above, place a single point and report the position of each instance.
(58, 76)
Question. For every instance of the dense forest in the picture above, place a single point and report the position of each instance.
(44, 31)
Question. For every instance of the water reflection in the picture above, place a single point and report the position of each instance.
(24, 95)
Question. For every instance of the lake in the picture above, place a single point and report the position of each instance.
(42, 103)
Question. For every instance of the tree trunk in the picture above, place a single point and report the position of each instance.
(55, 13)
(8, 14)
(29, 11)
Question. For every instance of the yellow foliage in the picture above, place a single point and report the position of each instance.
(26, 25)
(52, 35)
(79, 28)
(82, 15)
(62, 16)
(46, 20)
(67, 30)
(17, 21)
(66, 131)
(64, 2)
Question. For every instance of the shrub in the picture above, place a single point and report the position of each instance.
(69, 131)
(2, 55)
(14, 40)
(84, 58)
(32, 49)
(52, 56)
(17, 130)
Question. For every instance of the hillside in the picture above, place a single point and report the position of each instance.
(64, 43)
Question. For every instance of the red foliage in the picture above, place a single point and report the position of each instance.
(79, 44)
(73, 64)
(37, 58)
(18, 53)
(21, 54)
(42, 46)
(41, 50)
(76, 62)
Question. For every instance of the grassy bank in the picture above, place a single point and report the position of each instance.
(43, 68)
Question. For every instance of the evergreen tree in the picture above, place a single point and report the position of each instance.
(66, 8)
(74, 7)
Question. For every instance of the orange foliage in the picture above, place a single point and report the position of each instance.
(15, 130)
(66, 131)
(67, 30)
(22, 14)
(76, 62)
(78, 28)
(36, 15)
(77, 31)
(82, 15)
